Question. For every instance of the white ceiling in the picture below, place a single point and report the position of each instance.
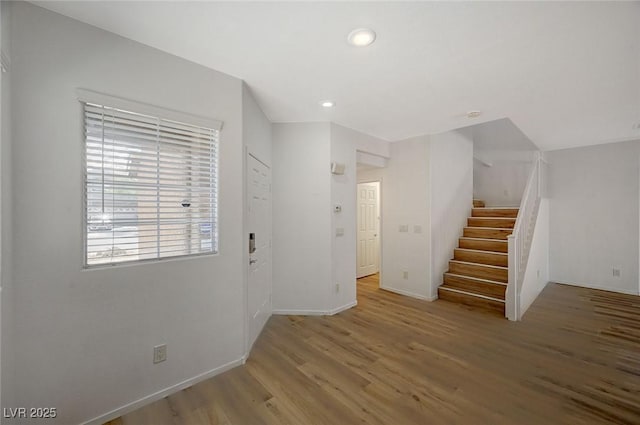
(567, 74)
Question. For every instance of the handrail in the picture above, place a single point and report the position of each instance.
(519, 242)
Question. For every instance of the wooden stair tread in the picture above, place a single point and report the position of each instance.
(487, 232)
(481, 251)
(490, 228)
(471, 294)
(482, 239)
(483, 271)
(497, 208)
(472, 300)
(476, 278)
(479, 264)
(489, 288)
(478, 273)
(493, 222)
(481, 257)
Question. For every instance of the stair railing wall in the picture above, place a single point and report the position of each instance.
(519, 242)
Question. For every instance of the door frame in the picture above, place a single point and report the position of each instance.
(245, 248)
(380, 232)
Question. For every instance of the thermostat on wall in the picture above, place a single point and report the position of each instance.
(337, 168)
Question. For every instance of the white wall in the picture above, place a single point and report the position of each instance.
(536, 275)
(302, 238)
(256, 127)
(6, 373)
(594, 216)
(502, 184)
(406, 202)
(343, 193)
(368, 144)
(451, 190)
(310, 259)
(85, 338)
(367, 160)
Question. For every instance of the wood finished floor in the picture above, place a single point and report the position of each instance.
(574, 359)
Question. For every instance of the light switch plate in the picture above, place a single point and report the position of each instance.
(159, 353)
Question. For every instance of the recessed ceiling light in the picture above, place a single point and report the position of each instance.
(361, 37)
(328, 103)
(473, 114)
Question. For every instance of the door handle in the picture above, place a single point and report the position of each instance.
(253, 261)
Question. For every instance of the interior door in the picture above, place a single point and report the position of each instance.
(368, 229)
(259, 228)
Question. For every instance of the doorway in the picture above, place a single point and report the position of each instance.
(368, 234)
(259, 228)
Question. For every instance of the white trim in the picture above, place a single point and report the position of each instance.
(130, 407)
(343, 308)
(285, 312)
(409, 293)
(145, 108)
(600, 288)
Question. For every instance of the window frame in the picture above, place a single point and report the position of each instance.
(88, 96)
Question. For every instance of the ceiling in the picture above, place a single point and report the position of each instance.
(566, 73)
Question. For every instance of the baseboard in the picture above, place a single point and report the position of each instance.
(409, 294)
(285, 312)
(130, 407)
(343, 308)
(600, 288)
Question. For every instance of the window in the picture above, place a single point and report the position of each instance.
(150, 185)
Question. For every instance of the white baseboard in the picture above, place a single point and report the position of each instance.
(130, 407)
(286, 312)
(343, 308)
(601, 288)
(409, 294)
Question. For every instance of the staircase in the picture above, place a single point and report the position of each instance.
(478, 272)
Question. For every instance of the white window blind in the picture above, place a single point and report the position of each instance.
(150, 187)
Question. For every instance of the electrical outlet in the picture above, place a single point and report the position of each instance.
(403, 228)
(405, 275)
(337, 287)
(159, 353)
(417, 228)
(616, 272)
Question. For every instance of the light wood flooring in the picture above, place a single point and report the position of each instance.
(574, 359)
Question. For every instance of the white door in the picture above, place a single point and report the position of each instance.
(368, 229)
(259, 228)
